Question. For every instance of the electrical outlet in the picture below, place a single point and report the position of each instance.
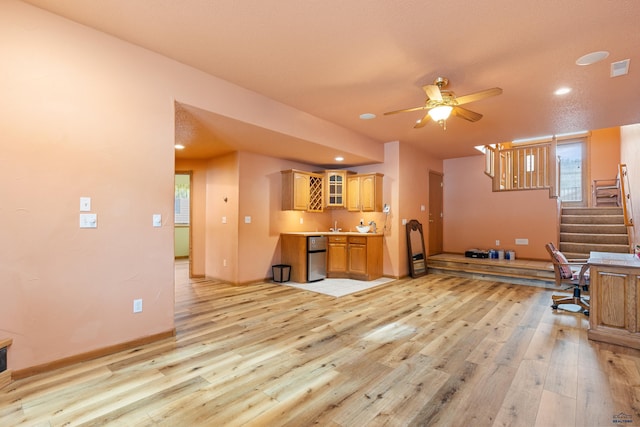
(522, 241)
(497, 242)
(137, 305)
(301, 220)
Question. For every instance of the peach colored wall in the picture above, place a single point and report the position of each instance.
(198, 169)
(604, 155)
(82, 115)
(91, 115)
(221, 236)
(414, 193)
(630, 155)
(475, 217)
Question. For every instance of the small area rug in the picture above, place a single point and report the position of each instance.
(339, 287)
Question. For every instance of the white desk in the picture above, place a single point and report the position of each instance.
(614, 313)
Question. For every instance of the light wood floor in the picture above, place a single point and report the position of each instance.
(434, 351)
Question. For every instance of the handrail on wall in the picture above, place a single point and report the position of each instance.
(627, 209)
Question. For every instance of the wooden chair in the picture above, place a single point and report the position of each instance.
(572, 273)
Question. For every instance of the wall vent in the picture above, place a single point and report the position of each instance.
(620, 68)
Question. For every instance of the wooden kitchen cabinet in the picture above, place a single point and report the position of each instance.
(302, 191)
(356, 257)
(614, 312)
(364, 192)
(294, 253)
(335, 183)
(337, 256)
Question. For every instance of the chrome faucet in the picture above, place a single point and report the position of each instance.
(335, 228)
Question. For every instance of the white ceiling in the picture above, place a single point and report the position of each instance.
(337, 59)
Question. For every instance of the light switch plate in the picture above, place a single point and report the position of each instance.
(157, 220)
(88, 220)
(247, 220)
(85, 204)
(137, 305)
(522, 241)
(224, 219)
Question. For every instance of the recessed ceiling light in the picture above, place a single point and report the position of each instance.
(339, 158)
(179, 147)
(562, 91)
(592, 58)
(367, 116)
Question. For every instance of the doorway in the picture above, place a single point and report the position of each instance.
(435, 213)
(182, 217)
(572, 159)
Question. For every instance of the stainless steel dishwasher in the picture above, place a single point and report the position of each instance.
(316, 258)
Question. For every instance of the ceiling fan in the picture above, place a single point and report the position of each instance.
(442, 103)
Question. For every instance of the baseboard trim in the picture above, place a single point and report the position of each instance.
(83, 357)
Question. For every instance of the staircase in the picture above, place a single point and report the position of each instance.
(601, 229)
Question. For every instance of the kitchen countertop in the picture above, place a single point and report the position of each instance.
(331, 233)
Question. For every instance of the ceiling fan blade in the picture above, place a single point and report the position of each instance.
(423, 121)
(433, 92)
(406, 110)
(463, 113)
(472, 97)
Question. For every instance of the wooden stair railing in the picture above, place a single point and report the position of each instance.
(627, 209)
(5, 374)
(523, 167)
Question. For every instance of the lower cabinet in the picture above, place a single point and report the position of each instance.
(337, 256)
(614, 312)
(355, 257)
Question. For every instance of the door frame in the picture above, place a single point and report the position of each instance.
(586, 189)
(190, 173)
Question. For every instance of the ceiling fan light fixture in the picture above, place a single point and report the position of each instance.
(440, 113)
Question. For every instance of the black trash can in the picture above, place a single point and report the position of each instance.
(281, 273)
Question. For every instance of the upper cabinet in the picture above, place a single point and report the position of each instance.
(302, 191)
(312, 192)
(364, 192)
(335, 188)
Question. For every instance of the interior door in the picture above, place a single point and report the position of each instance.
(435, 213)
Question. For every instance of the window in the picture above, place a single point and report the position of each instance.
(572, 156)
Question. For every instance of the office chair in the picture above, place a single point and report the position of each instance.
(573, 273)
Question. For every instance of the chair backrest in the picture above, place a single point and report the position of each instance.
(561, 266)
